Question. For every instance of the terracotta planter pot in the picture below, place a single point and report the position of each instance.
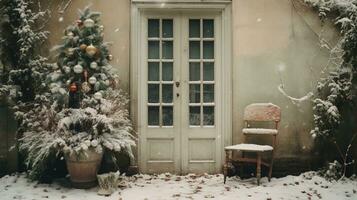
(83, 169)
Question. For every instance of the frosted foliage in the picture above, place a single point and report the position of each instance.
(80, 129)
(102, 122)
(336, 92)
(25, 67)
(49, 132)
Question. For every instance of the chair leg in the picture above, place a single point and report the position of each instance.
(259, 167)
(241, 170)
(271, 167)
(225, 167)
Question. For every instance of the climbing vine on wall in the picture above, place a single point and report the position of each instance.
(335, 103)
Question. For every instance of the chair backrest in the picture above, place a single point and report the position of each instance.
(262, 112)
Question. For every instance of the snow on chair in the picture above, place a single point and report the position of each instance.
(256, 112)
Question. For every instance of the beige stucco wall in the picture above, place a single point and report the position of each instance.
(273, 42)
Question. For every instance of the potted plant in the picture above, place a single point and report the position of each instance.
(81, 114)
(84, 134)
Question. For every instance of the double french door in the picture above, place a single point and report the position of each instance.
(181, 107)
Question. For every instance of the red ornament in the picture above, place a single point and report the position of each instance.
(73, 87)
(79, 23)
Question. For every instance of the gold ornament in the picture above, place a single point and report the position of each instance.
(83, 47)
(110, 57)
(91, 50)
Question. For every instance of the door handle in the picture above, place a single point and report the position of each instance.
(177, 83)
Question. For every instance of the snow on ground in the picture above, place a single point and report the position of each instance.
(167, 186)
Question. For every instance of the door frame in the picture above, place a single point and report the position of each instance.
(136, 83)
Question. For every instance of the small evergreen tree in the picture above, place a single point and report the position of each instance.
(83, 106)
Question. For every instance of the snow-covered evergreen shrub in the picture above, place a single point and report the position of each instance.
(335, 111)
(50, 128)
(80, 129)
(332, 171)
(20, 36)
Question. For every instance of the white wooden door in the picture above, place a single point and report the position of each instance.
(181, 67)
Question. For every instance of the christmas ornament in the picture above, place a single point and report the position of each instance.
(85, 85)
(68, 82)
(92, 80)
(83, 47)
(110, 57)
(98, 95)
(74, 97)
(78, 69)
(88, 23)
(91, 50)
(101, 28)
(73, 87)
(79, 23)
(70, 35)
(70, 51)
(93, 65)
(67, 69)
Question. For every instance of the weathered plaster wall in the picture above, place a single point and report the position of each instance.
(275, 42)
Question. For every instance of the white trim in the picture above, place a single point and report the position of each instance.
(225, 9)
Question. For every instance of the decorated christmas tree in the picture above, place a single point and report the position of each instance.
(83, 61)
(83, 108)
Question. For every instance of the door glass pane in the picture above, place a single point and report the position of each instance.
(195, 93)
(167, 93)
(167, 50)
(208, 50)
(208, 93)
(194, 71)
(208, 115)
(208, 28)
(208, 71)
(167, 71)
(167, 31)
(153, 27)
(194, 50)
(194, 28)
(167, 116)
(154, 71)
(153, 93)
(153, 50)
(195, 113)
(153, 115)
